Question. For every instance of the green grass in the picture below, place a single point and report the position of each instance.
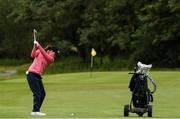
(102, 96)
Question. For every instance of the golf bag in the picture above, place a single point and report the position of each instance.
(141, 94)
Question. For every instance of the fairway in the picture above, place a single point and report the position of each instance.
(77, 95)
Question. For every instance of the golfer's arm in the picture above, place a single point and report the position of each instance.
(46, 56)
(33, 52)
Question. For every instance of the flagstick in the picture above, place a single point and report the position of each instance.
(91, 66)
(93, 53)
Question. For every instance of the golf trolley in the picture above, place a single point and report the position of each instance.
(141, 94)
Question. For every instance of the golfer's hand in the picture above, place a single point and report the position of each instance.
(36, 43)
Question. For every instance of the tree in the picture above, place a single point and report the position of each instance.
(158, 34)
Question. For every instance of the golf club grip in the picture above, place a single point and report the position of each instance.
(34, 35)
(34, 31)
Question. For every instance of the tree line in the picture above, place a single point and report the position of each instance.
(145, 30)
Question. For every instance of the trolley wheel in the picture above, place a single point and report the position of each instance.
(149, 110)
(140, 114)
(126, 110)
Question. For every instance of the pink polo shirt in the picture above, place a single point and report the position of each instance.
(41, 60)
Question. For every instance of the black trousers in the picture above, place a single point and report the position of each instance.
(37, 88)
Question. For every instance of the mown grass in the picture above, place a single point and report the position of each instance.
(78, 95)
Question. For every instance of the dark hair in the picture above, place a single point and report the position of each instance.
(52, 48)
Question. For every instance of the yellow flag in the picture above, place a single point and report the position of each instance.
(93, 52)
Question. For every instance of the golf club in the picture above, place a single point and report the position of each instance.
(34, 34)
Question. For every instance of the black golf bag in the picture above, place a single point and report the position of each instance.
(141, 94)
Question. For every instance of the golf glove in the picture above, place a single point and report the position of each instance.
(36, 43)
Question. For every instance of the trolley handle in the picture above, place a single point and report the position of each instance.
(135, 73)
(154, 84)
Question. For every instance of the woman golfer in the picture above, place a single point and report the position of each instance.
(42, 58)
